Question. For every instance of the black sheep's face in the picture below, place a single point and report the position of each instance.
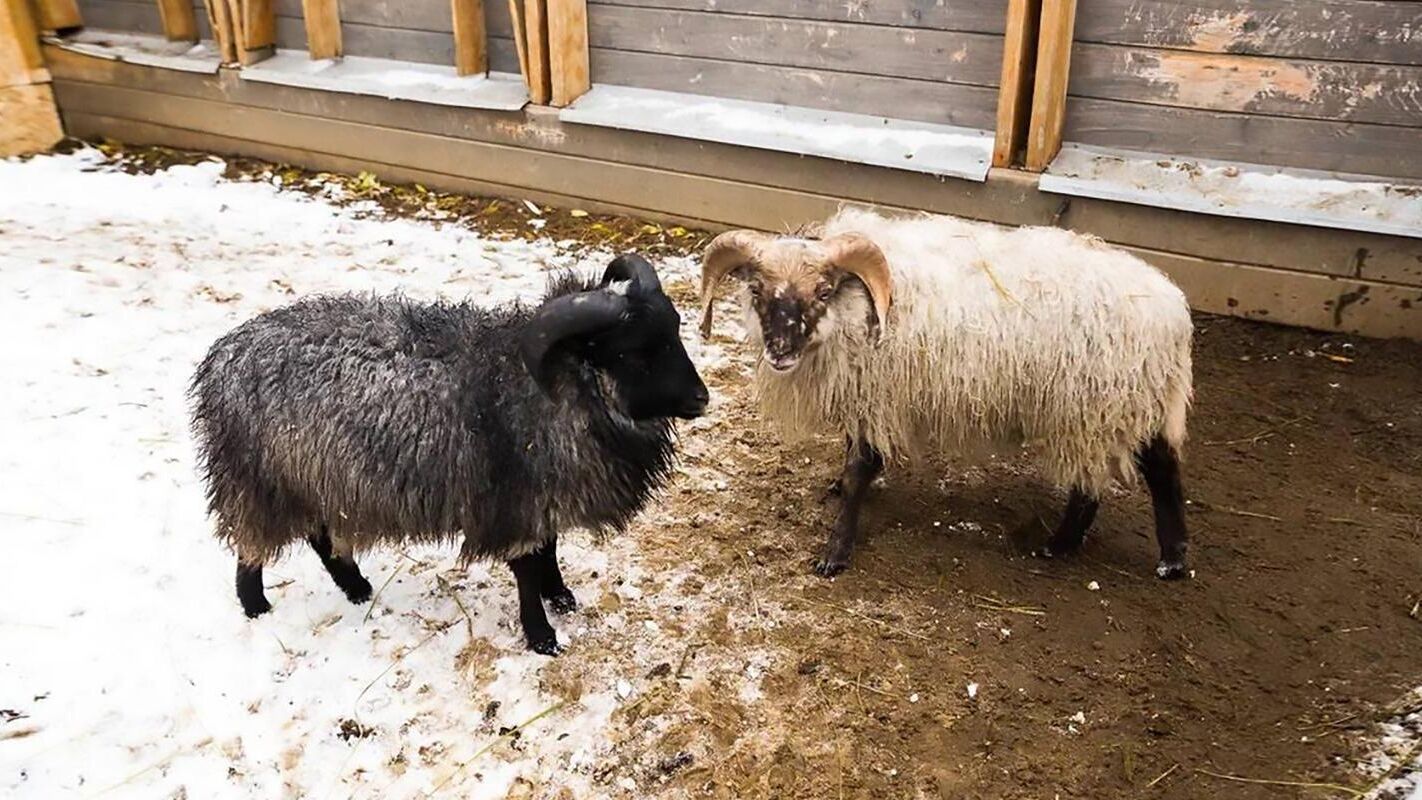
(643, 362)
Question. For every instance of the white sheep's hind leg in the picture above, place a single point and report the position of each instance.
(861, 466)
(1160, 466)
(1076, 521)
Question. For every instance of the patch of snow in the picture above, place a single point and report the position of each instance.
(127, 667)
(142, 48)
(397, 80)
(1398, 753)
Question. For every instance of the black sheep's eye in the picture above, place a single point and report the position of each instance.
(755, 290)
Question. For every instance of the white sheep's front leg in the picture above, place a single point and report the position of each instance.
(862, 464)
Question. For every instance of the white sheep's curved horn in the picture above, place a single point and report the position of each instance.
(860, 257)
(726, 253)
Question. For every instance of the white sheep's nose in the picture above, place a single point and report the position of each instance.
(782, 363)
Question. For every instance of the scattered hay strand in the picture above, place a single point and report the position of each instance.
(867, 618)
(995, 604)
(1162, 776)
(379, 592)
(508, 734)
(1332, 787)
(1238, 512)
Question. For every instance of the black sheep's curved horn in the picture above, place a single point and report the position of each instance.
(562, 317)
(632, 267)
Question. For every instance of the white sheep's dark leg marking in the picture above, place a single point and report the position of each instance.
(550, 579)
(341, 566)
(836, 486)
(249, 589)
(862, 465)
(1160, 466)
(528, 570)
(1076, 521)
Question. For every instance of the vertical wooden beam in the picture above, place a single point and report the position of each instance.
(568, 50)
(255, 24)
(58, 15)
(535, 29)
(1049, 92)
(179, 21)
(21, 62)
(471, 52)
(220, 15)
(520, 36)
(323, 28)
(1014, 94)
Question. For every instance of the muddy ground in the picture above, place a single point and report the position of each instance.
(949, 661)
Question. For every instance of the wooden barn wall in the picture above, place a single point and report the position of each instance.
(1322, 84)
(929, 60)
(138, 16)
(404, 30)
(1321, 278)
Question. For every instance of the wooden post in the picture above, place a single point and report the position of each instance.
(1049, 92)
(520, 37)
(29, 121)
(254, 22)
(471, 53)
(535, 28)
(568, 50)
(220, 16)
(323, 28)
(58, 15)
(1014, 95)
(179, 21)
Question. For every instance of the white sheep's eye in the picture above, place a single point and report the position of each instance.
(825, 293)
(755, 290)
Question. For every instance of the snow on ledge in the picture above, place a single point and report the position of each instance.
(396, 80)
(140, 48)
(1229, 189)
(900, 144)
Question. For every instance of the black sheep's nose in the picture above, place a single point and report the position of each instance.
(696, 405)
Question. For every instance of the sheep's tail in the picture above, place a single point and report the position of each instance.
(1178, 396)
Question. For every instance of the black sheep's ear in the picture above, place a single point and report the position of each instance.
(563, 318)
(632, 267)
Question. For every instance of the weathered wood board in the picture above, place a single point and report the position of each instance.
(121, 15)
(1348, 30)
(975, 16)
(58, 15)
(31, 121)
(21, 62)
(418, 30)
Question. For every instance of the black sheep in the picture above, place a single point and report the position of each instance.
(348, 421)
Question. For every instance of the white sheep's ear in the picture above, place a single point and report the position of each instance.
(727, 253)
(860, 257)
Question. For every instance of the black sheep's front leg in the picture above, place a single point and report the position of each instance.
(862, 464)
(550, 579)
(528, 574)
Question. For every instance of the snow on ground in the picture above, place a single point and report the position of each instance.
(126, 667)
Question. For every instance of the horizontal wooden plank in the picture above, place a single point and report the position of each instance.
(971, 58)
(1348, 30)
(426, 47)
(1349, 147)
(898, 98)
(1334, 90)
(416, 15)
(120, 15)
(976, 16)
(1007, 197)
(1219, 287)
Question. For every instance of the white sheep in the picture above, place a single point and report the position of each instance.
(931, 334)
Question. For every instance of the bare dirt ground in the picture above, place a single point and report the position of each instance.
(950, 662)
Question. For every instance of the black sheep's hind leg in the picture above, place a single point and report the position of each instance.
(550, 579)
(342, 567)
(541, 638)
(1160, 466)
(249, 589)
(1076, 521)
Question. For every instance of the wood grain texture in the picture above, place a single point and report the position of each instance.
(1349, 147)
(535, 31)
(520, 37)
(221, 18)
(971, 58)
(1007, 197)
(426, 47)
(471, 54)
(1049, 92)
(323, 28)
(974, 16)
(927, 101)
(258, 24)
(1350, 30)
(1014, 97)
(179, 21)
(31, 122)
(58, 15)
(21, 61)
(568, 50)
(1389, 95)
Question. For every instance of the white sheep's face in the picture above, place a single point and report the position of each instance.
(792, 307)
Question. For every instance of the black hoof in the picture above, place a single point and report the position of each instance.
(256, 608)
(830, 567)
(358, 590)
(1059, 547)
(545, 645)
(563, 602)
(1172, 570)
